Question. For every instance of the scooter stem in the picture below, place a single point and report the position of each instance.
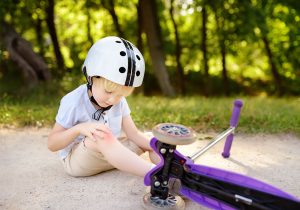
(211, 144)
(227, 133)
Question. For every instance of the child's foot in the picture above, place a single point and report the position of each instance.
(174, 187)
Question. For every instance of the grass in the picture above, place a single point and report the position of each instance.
(28, 112)
(258, 115)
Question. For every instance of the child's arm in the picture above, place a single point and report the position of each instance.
(61, 137)
(138, 137)
(134, 134)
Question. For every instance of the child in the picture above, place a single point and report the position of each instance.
(91, 117)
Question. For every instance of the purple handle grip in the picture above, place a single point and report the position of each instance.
(233, 123)
(236, 113)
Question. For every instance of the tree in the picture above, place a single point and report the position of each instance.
(250, 45)
(32, 66)
(178, 49)
(154, 40)
(52, 31)
(220, 18)
(261, 9)
(109, 5)
(207, 85)
(139, 28)
(88, 5)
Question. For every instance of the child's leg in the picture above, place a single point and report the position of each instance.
(119, 156)
(154, 157)
(138, 149)
(131, 145)
(82, 161)
(145, 145)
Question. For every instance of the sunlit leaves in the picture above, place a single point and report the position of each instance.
(243, 23)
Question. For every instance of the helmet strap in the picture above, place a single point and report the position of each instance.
(89, 83)
(92, 99)
(99, 112)
(88, 79)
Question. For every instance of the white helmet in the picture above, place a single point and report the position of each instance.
(115, 59)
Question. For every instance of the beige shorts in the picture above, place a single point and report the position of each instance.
(82, 161)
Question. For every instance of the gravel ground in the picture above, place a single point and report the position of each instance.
(31, 177)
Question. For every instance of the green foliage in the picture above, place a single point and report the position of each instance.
(242, 24)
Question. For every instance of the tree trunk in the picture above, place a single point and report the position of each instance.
(220, 20)
(140, 45)
(274, 70)
(207, 85)
(139, 40)
(52, 31)
(32, 66)
(178, 51)
(88, 25)
(152, 30)
(110, 7)
(224, 68)
(39, 36)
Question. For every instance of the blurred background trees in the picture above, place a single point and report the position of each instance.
(220, 47)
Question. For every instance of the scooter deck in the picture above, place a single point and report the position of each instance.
(225, 190)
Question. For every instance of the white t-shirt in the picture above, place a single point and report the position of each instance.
(76, 107)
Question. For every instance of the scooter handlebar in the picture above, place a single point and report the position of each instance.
(236, 113)
(233, 123)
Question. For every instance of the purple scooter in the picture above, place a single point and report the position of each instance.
(207, 186)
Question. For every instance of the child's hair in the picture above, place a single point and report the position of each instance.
(110, 86)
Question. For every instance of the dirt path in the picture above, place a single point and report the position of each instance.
(31, 177)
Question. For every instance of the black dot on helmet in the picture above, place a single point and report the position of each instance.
(138, 73)
(122, 53)
(122, 70)
(118, 41)
(138, 57)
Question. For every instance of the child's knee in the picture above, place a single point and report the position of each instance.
(104, 145)
(109, 137)
(105, 137)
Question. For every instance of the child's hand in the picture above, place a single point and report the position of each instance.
(94, 130)
(103, 136)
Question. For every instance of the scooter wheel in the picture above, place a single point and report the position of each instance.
(172, 202)
(174, 134)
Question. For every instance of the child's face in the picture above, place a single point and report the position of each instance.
(103, 97)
